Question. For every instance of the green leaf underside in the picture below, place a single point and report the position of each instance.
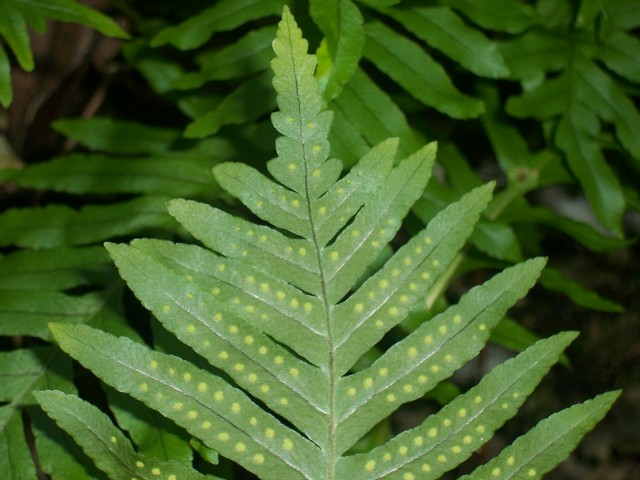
(282, 308)
(461, 427)
(205, 405)
(548, 443)
(105, 444)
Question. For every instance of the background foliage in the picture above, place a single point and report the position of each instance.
(539, 96)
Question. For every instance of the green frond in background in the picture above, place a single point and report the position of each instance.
(281, 308)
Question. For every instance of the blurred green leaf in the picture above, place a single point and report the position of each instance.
(248, 56)
(117, 136)
(410, 66)
(440, 27)
(252, 99)
(339, 54)
(224, 16)
(554, 280)
(178, 175)
(510, 16)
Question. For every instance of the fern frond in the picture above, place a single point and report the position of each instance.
(283, 309)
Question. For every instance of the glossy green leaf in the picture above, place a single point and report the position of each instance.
(250, 100)
(16, 16)
(58, 225)
(225, 15)
(248, 56)
(117, 136)
(548, 443)
(6, 92)
(14, 30)
(498, 240)
(620, 53)
(74, 12)
(24, 312)
(342, 25)
(555, 280)
(610, 102)
(535, 52)
(182, 174)
(15, 458)
(364, 106)
(509, 16)
(104, 443)
(55, 269)
(440, 27)
(411, 67)
(582, 232)
(575, 137)
(24, 370)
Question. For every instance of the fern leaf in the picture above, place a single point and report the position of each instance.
(59, 225)
(205, 405)
(285, 311)
(443, 29)
(491, 14)
(227, 335)
(364, 106)
(376, 223)
(548, 443)
(133, 137)
(249, 55)
(22, 316)
(252, 99)
(384, 299)
(447, 438)
(153, 434)
(417, 72)
(15, 457)
(25, 370)
(225, 15)
(103, 174)
(341, 49)
(105, 444)
(13, 29)
(239, 239)
(55, 269)
(73, 12)
(6, 92)
(430, 354)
